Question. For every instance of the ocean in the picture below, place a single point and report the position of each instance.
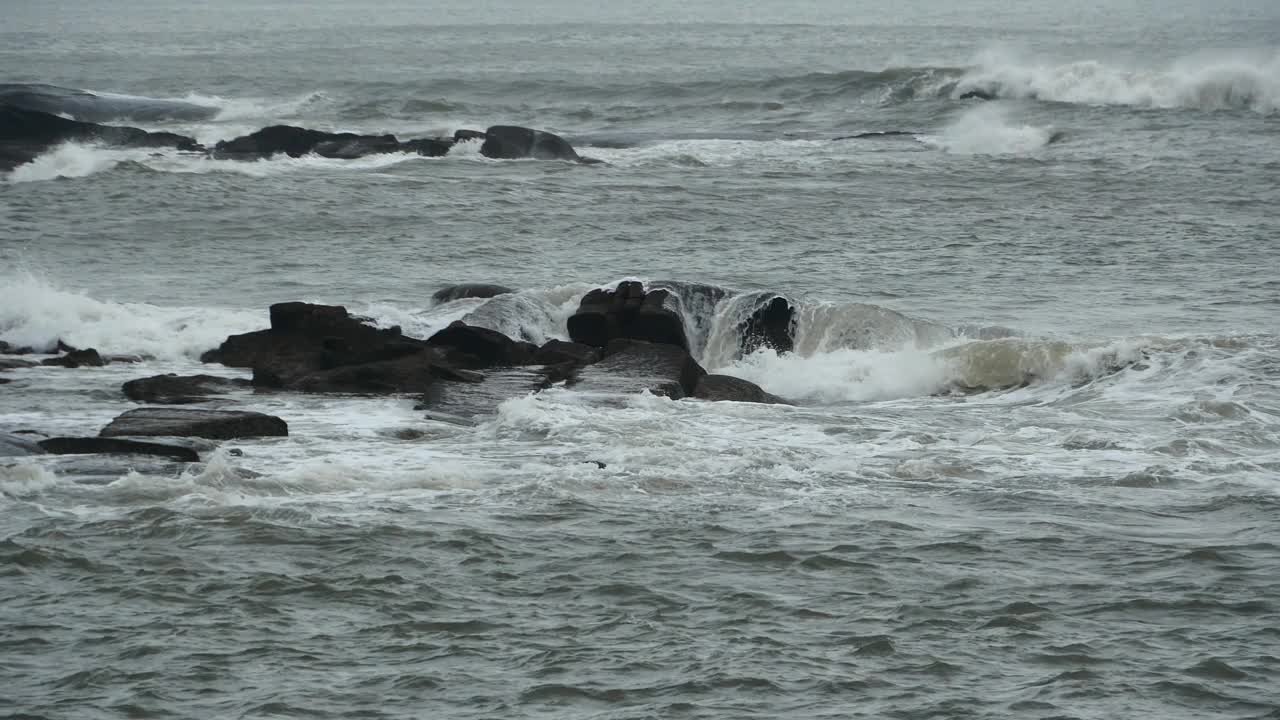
(1031, 468)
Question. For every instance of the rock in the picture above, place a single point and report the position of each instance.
(62, 347)
(297, 141)
(16, 446)
(628, 312)
(117, 446)
(409, 374)
(212, 424)
(727, 387)
(14, 364)
(556, 352)
(632, 366)
(5, 381)
(469, 290)
(979, 94)
(25, 134)
(510, 142)
(599, 465)
(469, 346)
(179, 389)
(769, 326)
(126, 359)
(77, 358)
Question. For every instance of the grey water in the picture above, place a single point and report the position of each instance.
(1033, 465)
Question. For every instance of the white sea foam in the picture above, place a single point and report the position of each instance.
(990, 129)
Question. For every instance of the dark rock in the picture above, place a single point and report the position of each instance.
(628, 312)
(125, 359)
(469, 290)
(469, 346)
(15, 446)
(510, 142)
(117, 446)
(726, 387)
(409, 374)
(632, 366)
(597, 463)
(556, 352)
(14, 364)
(25, 134)
(769, 326)
(212, 424)
(306, 338)
(5, 381)
(428, 147)
(62, 347)
(979, 94)
(179, 389)
(350, 148)
(78, 358)
(466, 135)
(7, 349)
(881, 135)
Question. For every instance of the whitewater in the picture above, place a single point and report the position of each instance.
(1028, 465)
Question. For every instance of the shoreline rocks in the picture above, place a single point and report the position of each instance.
(210, 424)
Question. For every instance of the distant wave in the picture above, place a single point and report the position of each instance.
(1204, 83)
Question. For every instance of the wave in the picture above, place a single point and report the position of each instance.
(1203, 82)
(991, 130)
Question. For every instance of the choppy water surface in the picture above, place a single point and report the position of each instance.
(1031, 471)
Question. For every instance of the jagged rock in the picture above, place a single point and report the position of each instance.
(769, 326)
(212, 424)
(628, 312)
(632, 366)
(117, 446)
(296, 142)
(306, 338)
(727, 387)
(510, 142)
(77, 358)
(469, 346)
(469, 290)
(16, 446)
(408, 374)
(428, 147)
(179, 389)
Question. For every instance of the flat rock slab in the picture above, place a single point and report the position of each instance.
(469, 400)
(632, 366)
(180, 389)
(117, 446)
(181, 422)
(734, 389)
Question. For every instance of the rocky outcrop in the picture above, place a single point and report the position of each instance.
(211, 424)
(769, 327)
(14, 364)
(77, 358)
(632, 366)
(558, 352)
(25, 134)
(180, 389)
(469, 290)
(727, 387)
(91, 107)
(297, 141)
(628, 312)
(472, 347)
(117, 446)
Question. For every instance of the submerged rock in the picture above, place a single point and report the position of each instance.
(212, 424)
(632, 366)
(180, 389)
(77, 358)
(117, 446)
(628, 312)
(297, 141)
(15, 364)
(18, 446)
(467, 401)
(469, 290)
(769, 326)
(727, 387)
